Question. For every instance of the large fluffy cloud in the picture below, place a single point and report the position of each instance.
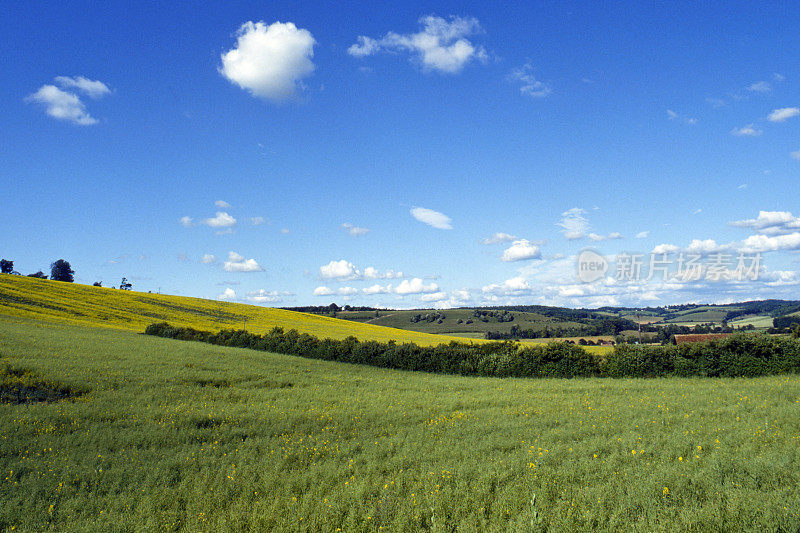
(237, 263)
(771, 223)
(341, 269)
(440, 45)
(415, 286)
(520, 250)
(764, 243)
(431, 217)
(270, 61)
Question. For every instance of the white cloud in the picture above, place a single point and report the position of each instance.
(284, 231)
(771, 223)
(795, 155)
(366, 46)
(434, 297)
(764, 243)
(354, 230)
(237, 263)
(415, 286)
(521, 250)
(431, 217)
(642, 234)
(227, 294)
(510, 286)
(760, 87)
(779, 115)
(706, 246)
(374, 273)
(440, 45)
(222, 204)
(665, 249)
(530, 86)
(92, 88)
(187, 222)
(377, 289)
(322, 291)
(347, 291)
(257, 221)
(746, 131)
(611, 236)
(672, 115)
(221, 220)
(62, 105)
(498, 237)
(574, 223)
(208, 259)
(66, 105)
(263, 296)
(341, 269)
(270, 61)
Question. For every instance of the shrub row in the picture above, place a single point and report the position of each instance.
(738, 355)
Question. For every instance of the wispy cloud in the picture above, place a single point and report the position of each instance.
(432, 218)
(529, 85)
(440, 45)
(784, 113)
(746, 131)
(574, 223)
(354, 230)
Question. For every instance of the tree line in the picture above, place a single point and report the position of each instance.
(737, 355)
(60, 270)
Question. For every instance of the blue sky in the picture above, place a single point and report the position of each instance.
(295, 143)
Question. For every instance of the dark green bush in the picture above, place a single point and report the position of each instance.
(737, 355)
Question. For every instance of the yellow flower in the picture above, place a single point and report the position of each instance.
(680, 458)
(666, 491)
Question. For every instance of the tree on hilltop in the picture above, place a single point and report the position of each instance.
(6, 266)
(61, 270)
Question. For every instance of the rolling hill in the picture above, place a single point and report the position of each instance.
(103, 307)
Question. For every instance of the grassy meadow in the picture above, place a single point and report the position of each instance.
(185, 436)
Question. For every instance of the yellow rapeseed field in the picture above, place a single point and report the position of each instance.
(86, 305)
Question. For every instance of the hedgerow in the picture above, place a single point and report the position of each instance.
(737, 355)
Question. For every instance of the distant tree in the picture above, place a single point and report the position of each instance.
(796, 331)
(125, 285)
(62, 271)
(6, 266)
(40, 275)
(97, 284)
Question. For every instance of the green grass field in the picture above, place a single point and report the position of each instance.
(185, 436)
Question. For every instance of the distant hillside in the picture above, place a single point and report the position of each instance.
(552, 321)
(504, 321)
(74, 303)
